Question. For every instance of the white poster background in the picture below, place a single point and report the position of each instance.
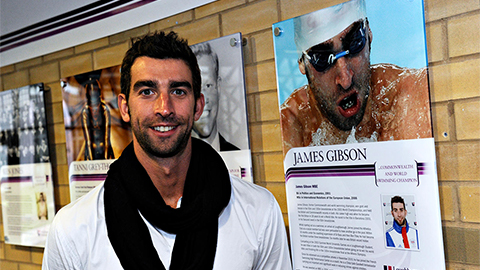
(86, 175)
(25, 221)
(335, 197)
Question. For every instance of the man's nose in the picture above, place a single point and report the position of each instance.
(163, 105)
(344, 74)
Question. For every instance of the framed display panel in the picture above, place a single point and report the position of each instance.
(224, 122)
(95, 132)
(357, 133)
(28, 204)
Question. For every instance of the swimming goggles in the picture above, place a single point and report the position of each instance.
(355, 41)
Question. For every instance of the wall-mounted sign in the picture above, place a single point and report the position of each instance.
(224, 122)
(95, 131)
(28, 204)
(360, 171)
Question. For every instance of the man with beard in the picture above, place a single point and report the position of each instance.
(168, 201)
(401, 235)
(347, 99)
(206, 127)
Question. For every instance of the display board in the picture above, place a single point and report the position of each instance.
(359, 153)
(224, 122)
(28, 204)
(95, 132)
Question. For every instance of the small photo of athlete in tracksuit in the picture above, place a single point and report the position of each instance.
(401, 232)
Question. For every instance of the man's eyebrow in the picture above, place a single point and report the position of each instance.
(176, 84)
(146, 83)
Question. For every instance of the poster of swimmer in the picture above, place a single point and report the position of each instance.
(95, 132)
(356, 125)
(355, 72)
(28, 205)
(224, 123)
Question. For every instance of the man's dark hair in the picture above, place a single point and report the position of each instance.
(397, 199)
(159, 45)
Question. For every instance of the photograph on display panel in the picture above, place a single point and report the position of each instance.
(224, 123)
(95, 132)
(23, 133)
(28, 204)
(93, 125)
(400, 222)
(344, 78)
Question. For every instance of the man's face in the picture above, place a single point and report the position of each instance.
(161, 106)
(208, 121)
(342, 89)
(399, 213)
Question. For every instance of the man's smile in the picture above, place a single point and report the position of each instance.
(163, 128)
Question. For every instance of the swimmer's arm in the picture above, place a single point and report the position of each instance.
(292, 128)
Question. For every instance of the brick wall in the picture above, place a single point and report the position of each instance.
(453, 35)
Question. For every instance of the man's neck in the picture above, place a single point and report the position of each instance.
(167, 174)
(402, 225)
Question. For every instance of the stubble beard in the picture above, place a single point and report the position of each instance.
(161, 147)
(329, 107)
(401, 224)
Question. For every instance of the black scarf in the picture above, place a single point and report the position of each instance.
(128, 188)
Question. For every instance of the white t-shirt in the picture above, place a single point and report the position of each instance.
(251, 234)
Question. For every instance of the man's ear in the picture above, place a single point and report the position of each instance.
(370, 35)
(301, 66)
(123, 107)
(199, 105)
(370, 38)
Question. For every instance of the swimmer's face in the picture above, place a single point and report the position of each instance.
(208, 121)
(399, 213)
(341, 86)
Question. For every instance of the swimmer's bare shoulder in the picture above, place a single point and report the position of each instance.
(406, 90)
(407, 80)
(290, 118)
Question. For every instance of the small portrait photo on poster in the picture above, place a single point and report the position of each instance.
(400, 222)
(336, 85)
(42, 207)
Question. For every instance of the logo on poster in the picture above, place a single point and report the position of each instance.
(396, 173)
(390, 267)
